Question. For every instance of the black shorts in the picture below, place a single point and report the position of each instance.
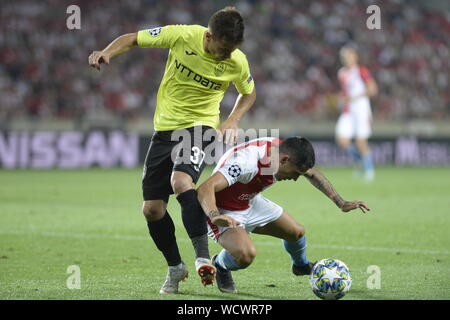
(178, 150)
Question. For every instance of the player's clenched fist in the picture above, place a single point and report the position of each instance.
(98, 57)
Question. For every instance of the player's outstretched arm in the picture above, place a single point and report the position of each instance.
(228, 129)
(207, 197)
(119, 45)
(319, 180)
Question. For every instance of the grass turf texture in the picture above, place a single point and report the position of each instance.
(50, 220)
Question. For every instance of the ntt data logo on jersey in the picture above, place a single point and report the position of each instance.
(197, 77)
(155, 31)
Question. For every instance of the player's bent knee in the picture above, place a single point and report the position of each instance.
(246, 257)
(181, 183)
(153, 212)
(296, 234)
(300, 231)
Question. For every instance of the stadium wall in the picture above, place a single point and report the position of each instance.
(107, 149)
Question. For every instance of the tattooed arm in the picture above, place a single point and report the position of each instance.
(206, 195)
(318, 180)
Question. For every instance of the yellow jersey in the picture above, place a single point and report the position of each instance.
(194, 83)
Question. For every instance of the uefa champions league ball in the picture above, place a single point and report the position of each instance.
(330, 279)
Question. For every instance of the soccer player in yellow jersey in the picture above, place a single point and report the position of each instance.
(201, 64)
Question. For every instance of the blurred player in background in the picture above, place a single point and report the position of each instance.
(355, 121)
(201, 64)
(232, 201)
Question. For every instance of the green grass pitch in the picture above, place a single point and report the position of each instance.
(50, 220)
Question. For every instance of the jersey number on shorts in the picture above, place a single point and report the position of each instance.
(197, 157)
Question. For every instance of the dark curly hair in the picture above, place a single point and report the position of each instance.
(227, 24)
(300, 151)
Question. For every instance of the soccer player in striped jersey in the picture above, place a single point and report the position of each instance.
(355, 120)
(201, 64)
(234, 206)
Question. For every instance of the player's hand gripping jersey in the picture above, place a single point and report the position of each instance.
(194, 82)
(243, 168)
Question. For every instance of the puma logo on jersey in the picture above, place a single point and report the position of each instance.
(191, 53)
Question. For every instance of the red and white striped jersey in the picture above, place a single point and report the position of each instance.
(353, 83)
(242, 166)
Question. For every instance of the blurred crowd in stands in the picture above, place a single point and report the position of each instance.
(292, 47)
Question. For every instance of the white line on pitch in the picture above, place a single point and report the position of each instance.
(266, 243)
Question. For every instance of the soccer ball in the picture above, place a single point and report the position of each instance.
(330, 279)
